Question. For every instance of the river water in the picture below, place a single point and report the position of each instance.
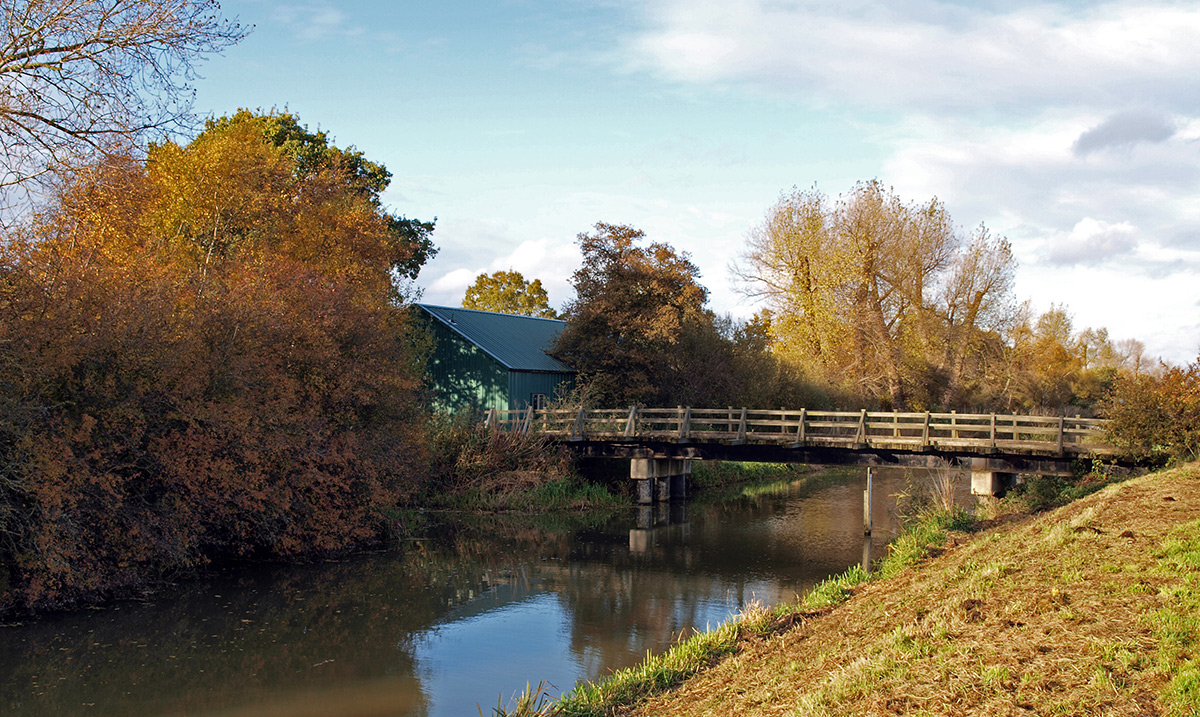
(451, 622)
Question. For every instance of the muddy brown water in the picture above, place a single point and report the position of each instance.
(449, 623)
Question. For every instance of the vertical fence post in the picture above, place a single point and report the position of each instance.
(861, 436)
(925, 433)
(1061, 425)
(632, 422)
(993, 432)
(685, 424)
(580, 418)
(867, 523)
(742, 427)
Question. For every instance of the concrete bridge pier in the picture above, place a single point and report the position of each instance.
(987, 481)
(659, 480)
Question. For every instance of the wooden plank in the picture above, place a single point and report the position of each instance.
(685, 423)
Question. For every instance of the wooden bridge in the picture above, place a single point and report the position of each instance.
(992, 446)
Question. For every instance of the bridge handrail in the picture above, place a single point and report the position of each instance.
(802, 427)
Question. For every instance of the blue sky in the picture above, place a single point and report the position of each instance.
(1071, 128)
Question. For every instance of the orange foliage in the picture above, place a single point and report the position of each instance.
(202, 355)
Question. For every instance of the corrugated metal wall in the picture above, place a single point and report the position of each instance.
(522, 386)
(463, 376)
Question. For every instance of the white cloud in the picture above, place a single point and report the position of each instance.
(315, 21)
(1092, 241)
(930, 56)
(1028, 181)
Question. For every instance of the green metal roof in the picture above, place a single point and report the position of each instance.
(519, 343)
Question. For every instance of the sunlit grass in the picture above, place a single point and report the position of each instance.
(1176, 624)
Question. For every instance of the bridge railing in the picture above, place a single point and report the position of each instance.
(801, 427)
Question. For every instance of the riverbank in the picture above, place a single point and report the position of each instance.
(527, 474)
(1090, 608)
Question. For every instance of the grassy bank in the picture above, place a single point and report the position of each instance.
(1091, 608)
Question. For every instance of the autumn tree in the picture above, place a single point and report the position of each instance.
(204, 354)
(313, 156)
(976, 303)
(1157, 415)
(632, 306)
(81, 77)
(508, 292)
(875, 294)
(254, 181)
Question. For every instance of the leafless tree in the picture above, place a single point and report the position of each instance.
(83, 77)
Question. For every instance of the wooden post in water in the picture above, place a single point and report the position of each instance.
(867, 523)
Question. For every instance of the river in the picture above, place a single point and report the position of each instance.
(447, 623)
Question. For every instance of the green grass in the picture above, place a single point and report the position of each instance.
(554, 495)
(711, 474)
(655, 674)
(720, 481)
(1176, 624)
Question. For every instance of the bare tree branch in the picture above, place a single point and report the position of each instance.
(81, 77)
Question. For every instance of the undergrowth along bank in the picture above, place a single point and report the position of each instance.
(475, 468)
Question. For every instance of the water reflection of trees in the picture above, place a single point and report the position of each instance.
(256, 633)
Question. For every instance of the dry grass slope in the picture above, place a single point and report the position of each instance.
(1078, 611)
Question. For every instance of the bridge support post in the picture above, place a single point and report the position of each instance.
(659, 479)
(986, 481)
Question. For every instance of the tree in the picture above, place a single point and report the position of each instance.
(253, 182)
(632, 306)
(508, 292)
(313, 155)
(976, 299)
(876, 294)
(203, 355)
(1157, 415)
(82, 77)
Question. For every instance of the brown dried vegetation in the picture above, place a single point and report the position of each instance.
(1048, 615)
(198, 364)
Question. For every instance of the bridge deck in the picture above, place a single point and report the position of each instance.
(854, 430)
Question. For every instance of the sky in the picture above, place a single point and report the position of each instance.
(1071, 128)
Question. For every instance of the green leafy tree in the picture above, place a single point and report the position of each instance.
(508, 292)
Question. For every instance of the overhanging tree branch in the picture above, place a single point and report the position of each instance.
(78, 77)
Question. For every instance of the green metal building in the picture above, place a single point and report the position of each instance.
(483, 359)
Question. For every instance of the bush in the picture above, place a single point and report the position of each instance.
(1157, 415)
(476, 468)
(180, 385)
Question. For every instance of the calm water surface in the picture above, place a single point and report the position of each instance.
(446, 624)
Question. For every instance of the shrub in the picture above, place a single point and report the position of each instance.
(1157, 415)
